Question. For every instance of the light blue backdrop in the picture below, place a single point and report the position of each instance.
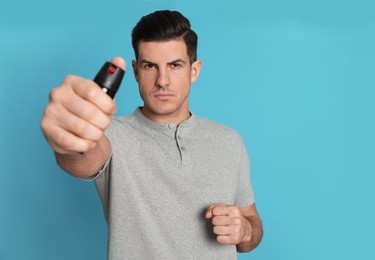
(295, 78)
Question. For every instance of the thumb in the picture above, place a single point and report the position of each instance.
(120, 62)
(209, 211)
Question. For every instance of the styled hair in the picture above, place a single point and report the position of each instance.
(165, 25)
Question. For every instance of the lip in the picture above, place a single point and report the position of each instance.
(163, 96)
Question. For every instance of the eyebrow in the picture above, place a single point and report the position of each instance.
(177, 61)
(171, 62)
(146, 61)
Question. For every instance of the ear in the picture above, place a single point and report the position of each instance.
(195, 70)
(135, 69)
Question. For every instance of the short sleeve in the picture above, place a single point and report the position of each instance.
(245, 193)
(102, 184)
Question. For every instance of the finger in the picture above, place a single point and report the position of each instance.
(226, 240)
(58, 115)
(64, 142)
(220, 210)
(221, 221)
(119, 62)
(209, 212)
(79, 127)
(222, 230)
(210, 208)
(88, 112)
(90, 91)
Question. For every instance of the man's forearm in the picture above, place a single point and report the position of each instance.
(87, 164)
(256, 235)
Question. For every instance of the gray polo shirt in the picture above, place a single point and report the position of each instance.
(157, 186)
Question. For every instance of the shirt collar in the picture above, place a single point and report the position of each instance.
(167, 128)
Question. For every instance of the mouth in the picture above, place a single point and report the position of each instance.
(163, 95)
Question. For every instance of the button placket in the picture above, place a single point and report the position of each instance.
(180, 144)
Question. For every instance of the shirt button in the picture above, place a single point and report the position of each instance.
(183, 148)
(179, 137)
(171, 125)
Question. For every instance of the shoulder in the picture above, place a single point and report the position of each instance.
(118, 121)
(119, 124)
(219, 130)
(224, 140)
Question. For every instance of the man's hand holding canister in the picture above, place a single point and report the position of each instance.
(74, 122)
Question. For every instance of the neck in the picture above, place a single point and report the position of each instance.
(176, 117)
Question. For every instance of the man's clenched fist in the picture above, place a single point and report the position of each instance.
(77, 115)
(229, 225)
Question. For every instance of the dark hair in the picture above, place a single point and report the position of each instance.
(164, 26)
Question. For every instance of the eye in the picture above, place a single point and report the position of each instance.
(149, 66)
(176, 65)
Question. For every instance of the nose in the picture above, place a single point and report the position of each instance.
(163, 79)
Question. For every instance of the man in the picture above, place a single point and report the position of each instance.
(173, 185)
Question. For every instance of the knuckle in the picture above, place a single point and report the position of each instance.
(68, 79)
(236, 238)
(70, 144)
(110, 107)
(221, 239)
(237, 230)
(49, 111)
(64, 141)
(88, 112)
(97, 135)
(54, 94)
(80, 127)
(44, 125)
(47, 119)
(106, 122)
(237, 221)
(87, 131)
(90, 93)
(85, 146)
(216, 209)
(233, 210)
(216, 229)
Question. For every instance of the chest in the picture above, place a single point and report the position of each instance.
(190, 170)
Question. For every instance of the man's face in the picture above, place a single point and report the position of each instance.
(164, 75)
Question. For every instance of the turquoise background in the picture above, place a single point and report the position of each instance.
(295, 78)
